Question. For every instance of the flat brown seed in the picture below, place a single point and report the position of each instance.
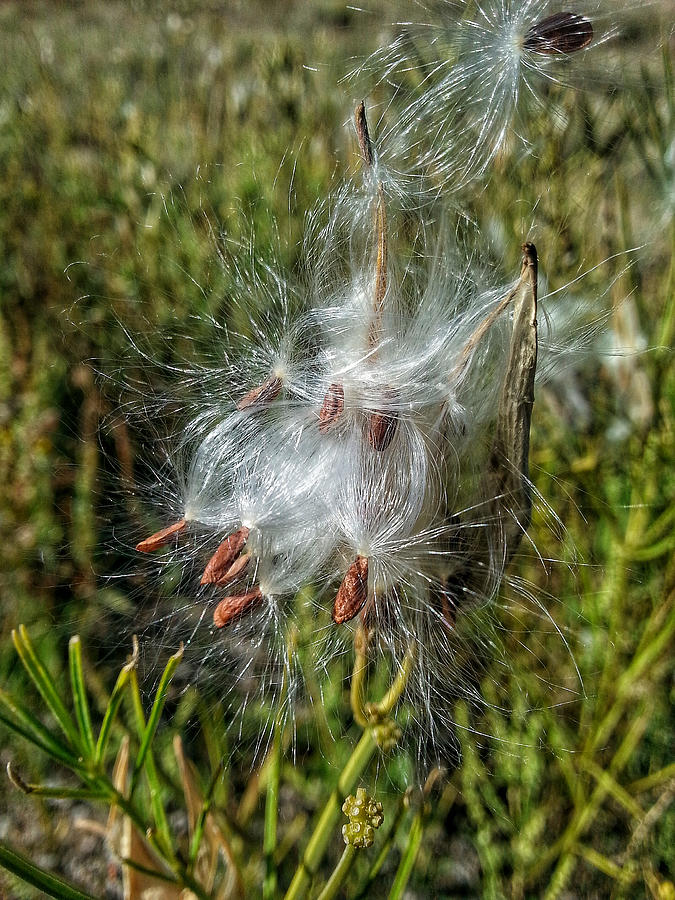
(381, 429)
(226, 554)
(563, 32)
(232, 607)
(353, 591)
(236, 570)
(265, 393)
(333, 407)
(161, 538)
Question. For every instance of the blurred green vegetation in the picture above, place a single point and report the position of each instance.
(121, 126)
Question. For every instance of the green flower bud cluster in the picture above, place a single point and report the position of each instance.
(365, 815)
(387, 734)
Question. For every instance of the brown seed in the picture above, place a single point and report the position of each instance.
(220, 564)
(333, 407)
(381, 429)
(448, 610)
(353, 591)
(562, 32)
(231, 607)
(161, 538)
(238, 568)
(265, 393)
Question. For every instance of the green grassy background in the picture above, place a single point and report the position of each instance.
(105, 110)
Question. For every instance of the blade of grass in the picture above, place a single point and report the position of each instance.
(203, 813)
(42, 790)
(80, 695)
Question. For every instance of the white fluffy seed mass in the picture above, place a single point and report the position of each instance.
(360, 455)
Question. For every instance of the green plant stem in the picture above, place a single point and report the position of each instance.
(340, 872)
(385, 706)
(356, 691)
(409, 856)
(388, 843)
(356, 765)
(271, 813)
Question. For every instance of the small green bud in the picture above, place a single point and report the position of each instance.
(365, 815)
(387, 734)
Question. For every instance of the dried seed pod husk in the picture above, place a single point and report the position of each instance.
(563, 32)
(232, 607)
(222, 560)
(365, 144)
(333, 407)
(161, 538)
(508, 477)
(266, 392)
(353, 591)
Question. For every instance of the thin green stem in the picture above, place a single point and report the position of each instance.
(340, 872)
(407, 863)
(271, 813)
(385, 706)
(356, 765)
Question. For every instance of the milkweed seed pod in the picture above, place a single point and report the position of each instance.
(371, 459)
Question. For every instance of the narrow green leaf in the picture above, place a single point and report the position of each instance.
(45, 685)
(157, 707)
(80, 695)
(112, 707)
(163, 837)
(24, 723)
(49, 884)
(203, 813)
(146, 870)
